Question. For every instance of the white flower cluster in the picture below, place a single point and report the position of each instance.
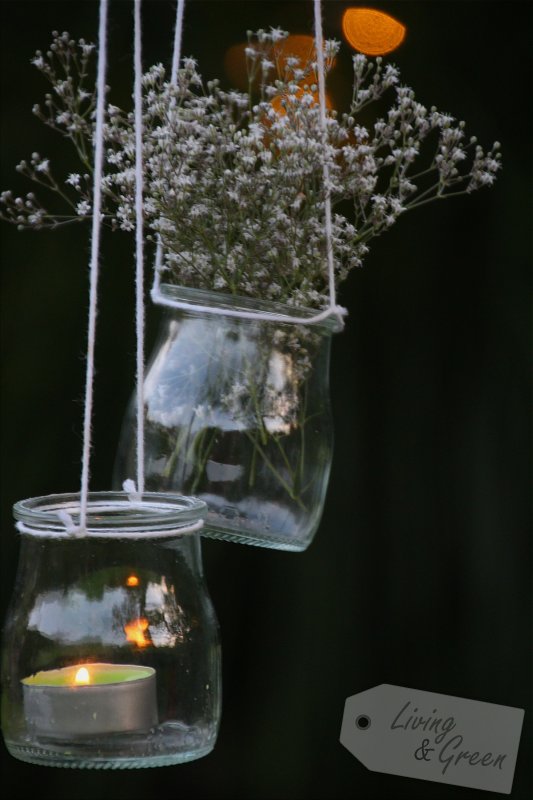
(69, 110)
(234, 185)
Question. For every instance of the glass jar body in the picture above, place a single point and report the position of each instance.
(126, 606)
(237, 413)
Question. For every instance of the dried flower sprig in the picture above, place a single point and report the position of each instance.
(233, 186)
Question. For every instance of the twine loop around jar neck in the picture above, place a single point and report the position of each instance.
(211, 303)
(110, 515)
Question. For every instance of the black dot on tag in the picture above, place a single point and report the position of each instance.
(363, 722)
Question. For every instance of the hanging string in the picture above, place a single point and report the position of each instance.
(176, 58)
(139, 244)
(333, 309)
(66, 527)
(95, 253)
(178, 37)
(321, 69)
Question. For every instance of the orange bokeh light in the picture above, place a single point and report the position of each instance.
(279, 108)
(136, 632)
(132, 580)
(82, 677)
(372, 32)
(299, 45)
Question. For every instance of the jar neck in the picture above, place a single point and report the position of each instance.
(110, 515)
(201, 300)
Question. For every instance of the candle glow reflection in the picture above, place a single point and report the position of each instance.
(136, 632)
(82, 677)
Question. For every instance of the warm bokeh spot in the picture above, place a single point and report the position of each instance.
(132, 580)
(372, 32)
(300, 45)
(279, 108)
(235, 66)
(136, 632)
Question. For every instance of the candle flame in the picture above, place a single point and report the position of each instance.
(135, 632)
(132, 580)
(82, 677)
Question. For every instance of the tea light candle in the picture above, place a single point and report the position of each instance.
(91, 699)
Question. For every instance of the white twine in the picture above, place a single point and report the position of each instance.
(319, 44)
(74, 532)
(178, 37)
(139, 243)
(70, 529)
(135, 494)
(135, 530)
(333, 309)
(176, 58)
(95, 252)
(131, 490)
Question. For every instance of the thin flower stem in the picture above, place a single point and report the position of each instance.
(251, 479)
(442, 196)
(283, 454)
(275, 472)
(201, 464)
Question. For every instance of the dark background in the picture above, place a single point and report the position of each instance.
(420, 573)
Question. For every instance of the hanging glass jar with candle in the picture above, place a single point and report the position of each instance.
(237, 412)
(111, 655)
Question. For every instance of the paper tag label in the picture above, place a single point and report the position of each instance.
(433, 737)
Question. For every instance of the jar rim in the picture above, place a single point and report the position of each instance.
(234, 302)
(113, 514)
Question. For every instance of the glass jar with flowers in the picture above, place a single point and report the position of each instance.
(237, 410)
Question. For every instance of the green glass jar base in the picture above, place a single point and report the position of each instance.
(167, 745)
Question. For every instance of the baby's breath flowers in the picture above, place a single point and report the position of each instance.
(234, 190)
(233, 180)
